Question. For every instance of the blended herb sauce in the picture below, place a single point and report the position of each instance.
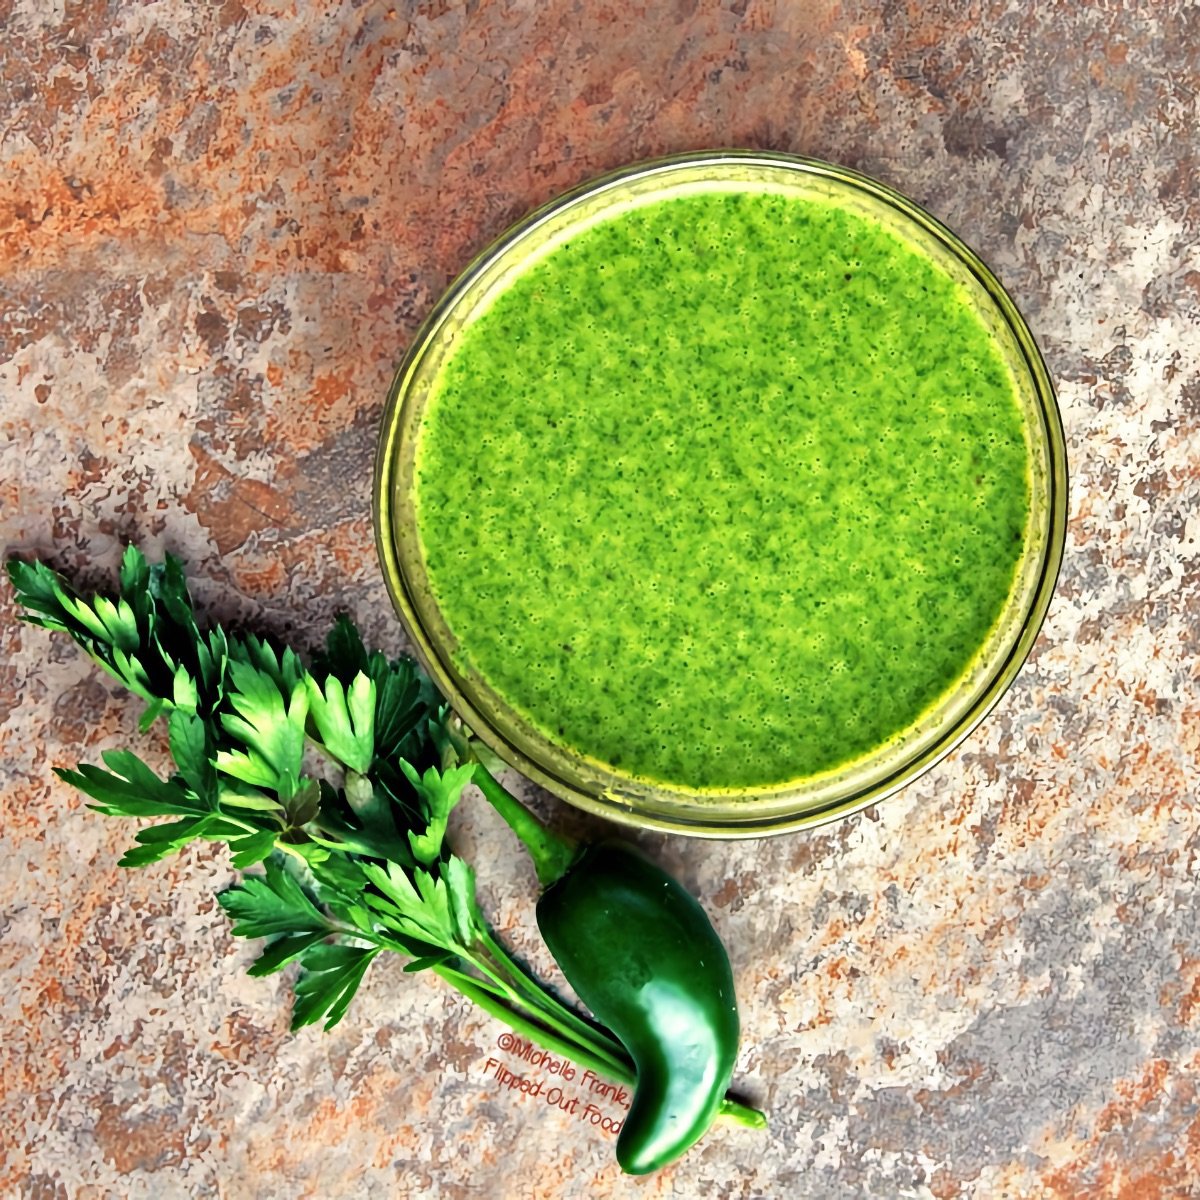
(725, 491)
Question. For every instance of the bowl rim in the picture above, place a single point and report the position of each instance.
(613, 807)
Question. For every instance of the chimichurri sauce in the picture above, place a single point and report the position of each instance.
(725, 491)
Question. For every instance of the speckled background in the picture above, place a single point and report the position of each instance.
(219, 226)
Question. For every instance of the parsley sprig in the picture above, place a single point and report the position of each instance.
(354, 852)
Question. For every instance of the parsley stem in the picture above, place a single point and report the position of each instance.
(616, 1064)
(565, 1023)
(548, 1002)
(549, 1039)
(453, 976)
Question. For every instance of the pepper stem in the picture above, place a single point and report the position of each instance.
(734, 1112)
(552, 853)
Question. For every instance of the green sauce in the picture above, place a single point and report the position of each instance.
(724, 492)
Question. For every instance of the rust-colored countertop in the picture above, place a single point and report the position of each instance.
(220, 224)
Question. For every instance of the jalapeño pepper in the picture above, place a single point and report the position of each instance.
(643, 956)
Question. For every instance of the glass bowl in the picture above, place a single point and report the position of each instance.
(715, 812)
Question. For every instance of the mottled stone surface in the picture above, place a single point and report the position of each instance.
(219, 226)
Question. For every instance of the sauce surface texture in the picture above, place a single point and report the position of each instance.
(725, 491)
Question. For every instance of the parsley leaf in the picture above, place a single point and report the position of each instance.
(252, 848)
(283, 668)
(464, 908)
(130, 789)
(327, 984)
(404, 697)
(168, 586)
(345, 718)
(416, 903)
(108, 631)
(262, 905)
(344, 654)
(270, 723)
(439, 794)
(158, 841)
(275, 905)
(284, 950)
(193, 751)
(146, 638)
